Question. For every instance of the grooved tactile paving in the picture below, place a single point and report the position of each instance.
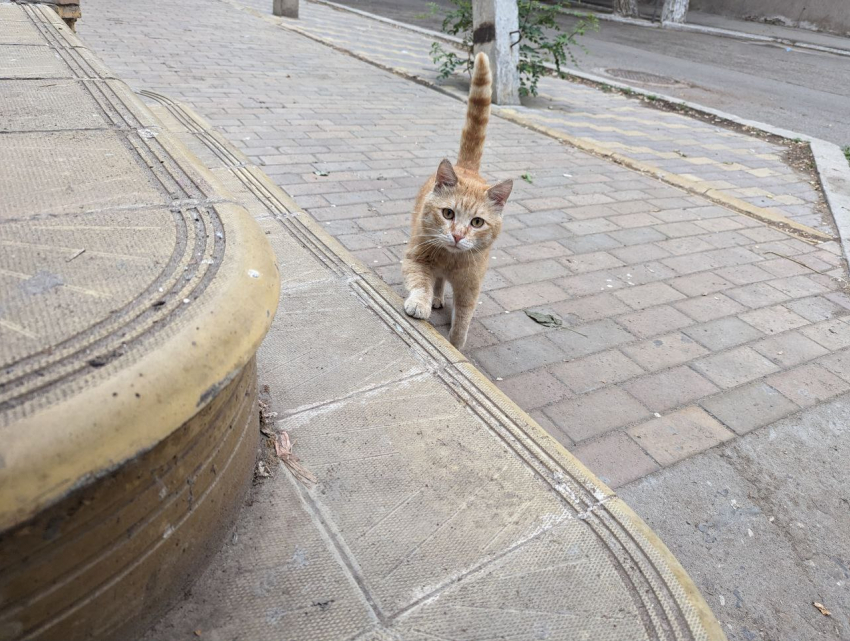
(441, 510)
(134, 293)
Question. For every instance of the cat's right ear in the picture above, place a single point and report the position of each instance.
(446, 176)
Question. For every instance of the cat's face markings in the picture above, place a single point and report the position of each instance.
(463, 226)
(465, 216)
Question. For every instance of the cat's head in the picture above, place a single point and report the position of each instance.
(464, 215)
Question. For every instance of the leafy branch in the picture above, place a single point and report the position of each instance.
(540, 38)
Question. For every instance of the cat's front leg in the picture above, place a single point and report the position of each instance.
(419, 281)
(465, 300)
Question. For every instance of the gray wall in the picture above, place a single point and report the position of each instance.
(826, 15)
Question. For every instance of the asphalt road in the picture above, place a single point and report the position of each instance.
(804, 91)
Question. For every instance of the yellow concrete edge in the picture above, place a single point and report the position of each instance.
(537, 433)
(71, 443)
(764, 214)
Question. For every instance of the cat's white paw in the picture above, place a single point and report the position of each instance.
(437, 303)
(415, 308)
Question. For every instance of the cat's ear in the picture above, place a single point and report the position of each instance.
(446, 176)
(498, 194)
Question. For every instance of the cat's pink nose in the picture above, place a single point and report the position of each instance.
(458, 237)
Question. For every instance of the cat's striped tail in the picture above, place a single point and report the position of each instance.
(477, 115)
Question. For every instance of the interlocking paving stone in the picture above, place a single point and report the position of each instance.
(745, 408)
(654, 321)
(735, 367)
(534, 389)
(665, 351)
(808, 385)
(596, 371)
(670, 388)
(679, 435)
(789, 349)
(616, 458)
(723, 333)
(592, 414)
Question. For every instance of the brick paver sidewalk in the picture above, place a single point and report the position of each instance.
(707, 156)
(689, 324)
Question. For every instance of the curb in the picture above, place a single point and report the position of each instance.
(834, 176)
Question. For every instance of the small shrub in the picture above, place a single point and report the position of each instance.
(540, 40)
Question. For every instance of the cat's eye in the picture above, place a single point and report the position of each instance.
(448, 214)
(477, 222)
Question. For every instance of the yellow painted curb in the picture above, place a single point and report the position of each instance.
(764, 214)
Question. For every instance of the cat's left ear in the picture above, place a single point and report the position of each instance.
(498, 194)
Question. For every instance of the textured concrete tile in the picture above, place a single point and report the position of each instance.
(615, 458)
(665, 351)
(816, 308)
(525, 273)
(773, 320)
(538, 251)
(596, 371)
(745, 408)
(524, 296)
(589, 415)
(757, 295)
(838, 364)
(700, 284)
(508, 327)
(798, 286)
(710, 307)
(581, 263)
(534, 389)
(639, 253)
(832, 334)
(507, 359)
(723, 333)
(671, 388)
(743, 274)
(678, 435)
(808, 385)
(654, 321)
(587, 339)
(643, 296)
(592, 308)
(736, 367)
(790, 349)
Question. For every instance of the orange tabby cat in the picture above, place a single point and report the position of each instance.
(456, 219)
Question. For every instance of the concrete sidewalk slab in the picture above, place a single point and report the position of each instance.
(441, 509)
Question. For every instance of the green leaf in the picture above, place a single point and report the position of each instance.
(547, 320)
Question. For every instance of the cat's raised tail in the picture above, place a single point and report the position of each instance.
(477, 115)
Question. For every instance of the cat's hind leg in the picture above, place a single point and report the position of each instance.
(439, 291)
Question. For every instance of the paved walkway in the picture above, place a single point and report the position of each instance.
(703, 156)
(711, 320)
(680, 312)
